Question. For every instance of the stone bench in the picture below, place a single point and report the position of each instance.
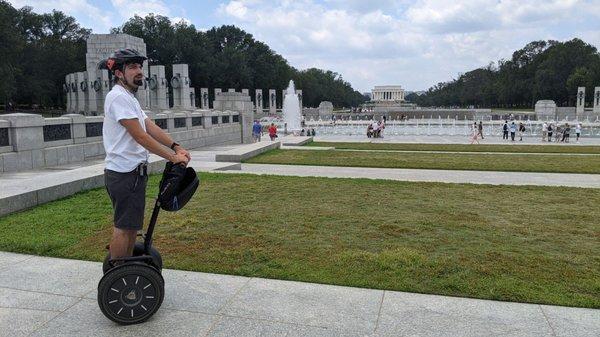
(246, 151)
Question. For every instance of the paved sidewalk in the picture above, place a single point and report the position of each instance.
(41, 296)
(422, 175)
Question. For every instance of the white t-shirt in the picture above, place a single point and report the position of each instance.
(123, 153)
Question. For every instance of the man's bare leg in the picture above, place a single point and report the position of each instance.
(121, 244)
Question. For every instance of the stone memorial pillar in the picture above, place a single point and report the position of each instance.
(272, 101)
(143, 94)
(105, 87)
(258, 101)
(597, 100)
(93, 86)
(192, 96)
(67, 90)
(246, 92)
(283, 93)
(74, 92)
(180, 82)
(157, 85)
(81, 92)
(580, 100)
(204, 99)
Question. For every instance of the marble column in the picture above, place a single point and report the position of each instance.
(580, 100)
(597, 100)
(258, 100)
(272, 101)
(204, 98)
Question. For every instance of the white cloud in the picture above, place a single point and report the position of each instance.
(129, 8)
(237, 9)
(413, 44)
(87, 14)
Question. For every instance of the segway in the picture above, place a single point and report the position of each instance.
(132, 291)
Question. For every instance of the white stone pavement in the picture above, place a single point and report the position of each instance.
(422, 175)
(41, 296)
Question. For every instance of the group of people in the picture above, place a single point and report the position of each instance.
(258, 130)
(307, 132)
(375, 129)
(561, 133)
(513, 129)
(476, 132)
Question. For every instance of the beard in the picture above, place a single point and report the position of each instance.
(138, 81)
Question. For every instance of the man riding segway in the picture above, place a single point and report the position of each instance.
(132, 288)
(128, 136)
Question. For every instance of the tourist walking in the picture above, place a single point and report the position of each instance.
(513, 130)
(272, 131)
(565, 137)
(544, 131)
(578, 131)
(521, 131)
(474, 133)
(550, 130)
(256, 131)
(480, 129)
(505, 130)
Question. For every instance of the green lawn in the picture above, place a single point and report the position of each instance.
(440, 161)
(526, 244)
(514, 148)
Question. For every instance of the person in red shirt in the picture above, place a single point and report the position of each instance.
(273, 131)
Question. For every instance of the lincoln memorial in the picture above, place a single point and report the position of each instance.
(387, 93)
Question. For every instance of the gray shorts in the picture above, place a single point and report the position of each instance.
(127, 192)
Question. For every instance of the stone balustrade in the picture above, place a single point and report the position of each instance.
(29, 141)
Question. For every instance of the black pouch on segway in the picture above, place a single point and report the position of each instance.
(177, 186)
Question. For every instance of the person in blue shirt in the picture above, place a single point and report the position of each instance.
(513, 129)
(256, 131)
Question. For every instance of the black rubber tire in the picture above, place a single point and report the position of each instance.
(138, 250)
(130, 293)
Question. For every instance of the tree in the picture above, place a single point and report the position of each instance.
(540, 70)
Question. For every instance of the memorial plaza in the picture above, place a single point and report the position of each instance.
(294, 232)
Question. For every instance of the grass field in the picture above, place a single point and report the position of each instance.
(513, 148)
(526, 244)
(441, 161)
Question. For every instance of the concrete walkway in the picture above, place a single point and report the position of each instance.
(422, 175)
(41, 296)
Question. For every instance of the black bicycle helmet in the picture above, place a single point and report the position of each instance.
(177, 186)
(120, 58)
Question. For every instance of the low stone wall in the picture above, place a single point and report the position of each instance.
(29, 141)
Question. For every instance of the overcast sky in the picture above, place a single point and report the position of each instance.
(415, 44)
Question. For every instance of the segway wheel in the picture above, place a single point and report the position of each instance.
(130, 293)
(138, 250)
